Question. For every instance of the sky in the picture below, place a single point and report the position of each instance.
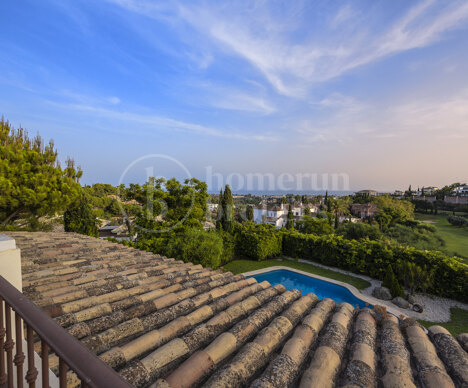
(372, 91)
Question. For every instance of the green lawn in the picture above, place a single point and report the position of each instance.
(457, 325)
(240, 266)
(456, 238)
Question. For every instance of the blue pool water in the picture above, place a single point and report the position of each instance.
(307, 284)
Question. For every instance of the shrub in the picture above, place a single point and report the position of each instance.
(358, 231)
(391, 282)
(420, 237)
(198, 247)
(457, 221)
(258, 241)
(317, 226)
(372, 258)
(79, 218)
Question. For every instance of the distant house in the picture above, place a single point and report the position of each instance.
(367, 193)
(277, 214)
(429, 191)
(461, 191)
(364, 210)
(212, 207)
(119, 232)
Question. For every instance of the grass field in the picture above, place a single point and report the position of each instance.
(457, 325)
(240, 266)
(456, 238)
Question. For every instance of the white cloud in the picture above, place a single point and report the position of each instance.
(156, 122)
(268, 40)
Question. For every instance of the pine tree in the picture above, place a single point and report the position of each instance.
(32, 182)
(79, 218)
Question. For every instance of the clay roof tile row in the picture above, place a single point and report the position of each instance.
(163, 323)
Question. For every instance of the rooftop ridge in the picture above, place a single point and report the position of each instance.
(163, 323)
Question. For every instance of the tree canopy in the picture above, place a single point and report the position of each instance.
(32, 182)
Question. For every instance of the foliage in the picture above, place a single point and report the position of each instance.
(358, 231)
(225, 219)
(229, 246)
(373, 257)
(396, 210)
(457, 221)
(420, 236)
(198, 247)
(250, 213)
(79, 218)
(415, 277)
(447, 190)
(317, 226)
(32, 182)
(290, 219)
(169, 204)
(258, 241)
(391, 282)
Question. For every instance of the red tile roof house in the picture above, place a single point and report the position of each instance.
(159, 322)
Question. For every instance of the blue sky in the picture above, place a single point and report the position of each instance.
(377, 90)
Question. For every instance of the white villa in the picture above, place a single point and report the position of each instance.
(212, 207)
(461, 191)
(277, 215)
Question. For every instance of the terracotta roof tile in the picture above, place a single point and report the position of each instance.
(163, 323)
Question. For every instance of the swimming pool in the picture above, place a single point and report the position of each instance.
(306, 284)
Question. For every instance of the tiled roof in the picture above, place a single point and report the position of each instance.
(163, 323)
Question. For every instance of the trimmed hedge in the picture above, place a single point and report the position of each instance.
(258, 242)
(373, 257)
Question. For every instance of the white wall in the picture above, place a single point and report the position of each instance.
(10, 269)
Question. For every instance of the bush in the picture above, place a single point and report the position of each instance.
(457, 221)
(358, 231)
(198, 247)
(317, 226)
(79, 218)
(229, 246)
(391, 282)
(421, 237)
(258, 241)
(372, 258)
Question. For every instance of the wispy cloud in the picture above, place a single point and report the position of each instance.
(261, 37)
(159, 123)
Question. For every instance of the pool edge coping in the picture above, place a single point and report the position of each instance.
(356, 293)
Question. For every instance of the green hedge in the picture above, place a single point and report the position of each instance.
(373, 257)
(258, 241)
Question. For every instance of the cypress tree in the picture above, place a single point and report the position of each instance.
(337, 221)
(219, 214)
(391, 282)
(250, 213)
(290, 222)
(228, 210)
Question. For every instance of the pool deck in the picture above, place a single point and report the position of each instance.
(391, 308)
